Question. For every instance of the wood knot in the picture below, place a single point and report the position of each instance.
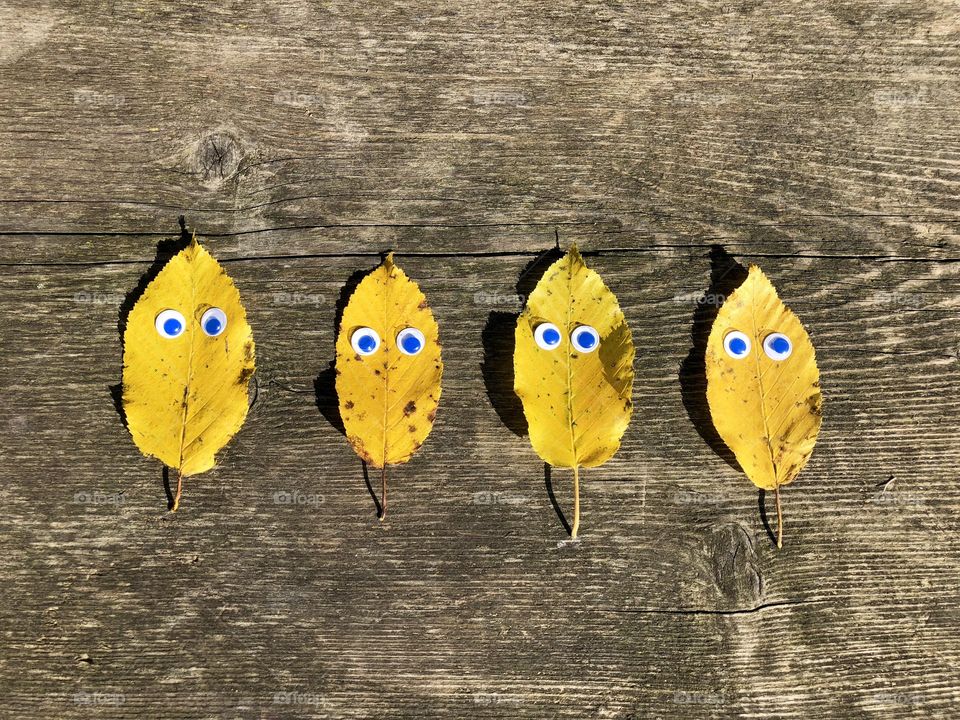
(735, 566)
(218, 157)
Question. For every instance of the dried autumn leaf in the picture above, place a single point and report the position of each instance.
(388, 369)
(573, 369)
(763, 385)
(188, 356)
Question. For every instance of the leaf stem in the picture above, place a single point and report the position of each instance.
(776, 493)
(176, 498)
(383, 489)
(576, 502)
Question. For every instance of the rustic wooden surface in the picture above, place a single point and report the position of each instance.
(301, 139)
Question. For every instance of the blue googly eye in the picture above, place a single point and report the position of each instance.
(170, 324)
(365, 341)
(585, 339)
(410, 341)
(547, 336)
(777, 346)
(737, 344)
(213, 321)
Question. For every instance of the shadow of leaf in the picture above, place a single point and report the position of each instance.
(726, 275)
(762, 503)
(498, 346)
(548, 481)
(325, 384)
(166, 249)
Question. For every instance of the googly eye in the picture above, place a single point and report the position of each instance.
(410, 341)
(585, 339)
(737, 344)
(170, 324)
(777, 346)
(213, 321)
(547, 336)
(365, 341)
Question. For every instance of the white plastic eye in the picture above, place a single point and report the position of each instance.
(737, 344)
(410, 341)
(547, 336)
(585, 339)
(214, 321)
(365, 341)
(170, 324)
(777, 346)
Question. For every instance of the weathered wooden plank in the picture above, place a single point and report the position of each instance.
(301, 139)
(813, 130)
(468, 602)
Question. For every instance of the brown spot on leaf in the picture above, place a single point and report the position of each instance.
(348, 404)
(409, 408)
(360, 449)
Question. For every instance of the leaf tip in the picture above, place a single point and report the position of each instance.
(754, 272)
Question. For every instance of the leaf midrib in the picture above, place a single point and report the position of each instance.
(189, 380)
(387, 364)
(760, 388)
(570, 422)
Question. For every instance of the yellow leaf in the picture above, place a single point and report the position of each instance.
(388, 368)
(573, 369)
(763, 385)
(188, 356)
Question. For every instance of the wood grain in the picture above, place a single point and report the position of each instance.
(302, 139)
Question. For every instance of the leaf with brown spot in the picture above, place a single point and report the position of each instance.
(573, 369)
(763, 385)
(388, 367)
(188, 356)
